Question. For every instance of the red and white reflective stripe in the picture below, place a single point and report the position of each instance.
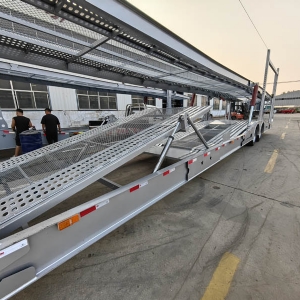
(223, 145)
(218, 148)
(168, 172)
(206, 154)
(192, 161)
(77, 217)
(93, 208)
(136, 187)
(5, 131)
(13, 248)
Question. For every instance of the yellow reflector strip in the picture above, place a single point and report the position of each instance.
(67, 223)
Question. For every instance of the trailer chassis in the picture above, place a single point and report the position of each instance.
(32, 253)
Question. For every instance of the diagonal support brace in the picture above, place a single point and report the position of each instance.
(167, 145)
(87, 49)
(200, 136)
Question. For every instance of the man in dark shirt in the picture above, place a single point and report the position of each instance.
(19, 124)
(51, 125)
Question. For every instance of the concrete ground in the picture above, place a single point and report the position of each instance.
(171, 250)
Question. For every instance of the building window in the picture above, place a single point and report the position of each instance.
(223, 105)
(203, 101)
(96, 100)
(6, 95)
(216, 104)
(141, 100)
(151, 101)
(31, 95)
(137, 99)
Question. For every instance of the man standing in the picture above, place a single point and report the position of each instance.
(19, 124)
(51, 125)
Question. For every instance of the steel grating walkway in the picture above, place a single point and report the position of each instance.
(39, 180)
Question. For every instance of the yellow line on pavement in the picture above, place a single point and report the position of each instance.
(220, 283)
(282, 136)
(271, 163)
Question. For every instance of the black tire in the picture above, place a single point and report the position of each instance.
(253, 141)
(257, 134)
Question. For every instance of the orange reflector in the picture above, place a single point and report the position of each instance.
(67, 223)
(232, 142)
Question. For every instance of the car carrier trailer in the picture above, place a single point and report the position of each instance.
(32, 252)
(71, 44)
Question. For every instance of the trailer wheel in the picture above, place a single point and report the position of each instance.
(255, 137)
(257, 134)
(251, 143)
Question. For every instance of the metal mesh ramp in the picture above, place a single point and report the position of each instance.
(50, 175)
(214, 133)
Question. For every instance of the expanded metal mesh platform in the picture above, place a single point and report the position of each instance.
(214, 132)
(60, 170)
(82, 38)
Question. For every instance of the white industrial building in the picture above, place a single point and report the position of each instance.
(75, 108)
(289, 99)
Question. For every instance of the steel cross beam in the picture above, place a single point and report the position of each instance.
(87, 49)
(25, 72)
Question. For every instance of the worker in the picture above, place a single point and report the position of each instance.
(19, 124)
(51, 126)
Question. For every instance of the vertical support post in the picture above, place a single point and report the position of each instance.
(207, 104)
(193, 99)
(262, 103)
(228, 108)
(169, 99)
(252, 103)
(273, 98)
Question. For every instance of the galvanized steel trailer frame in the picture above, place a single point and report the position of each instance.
(128, 47)
(30, 254)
